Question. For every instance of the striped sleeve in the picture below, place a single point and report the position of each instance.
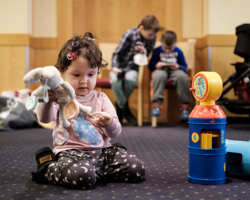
(123, 45)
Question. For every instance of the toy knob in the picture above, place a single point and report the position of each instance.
(192, 89)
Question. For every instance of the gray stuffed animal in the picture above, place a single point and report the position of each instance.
(50, 78)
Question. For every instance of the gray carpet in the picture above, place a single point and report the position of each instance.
(163, 149)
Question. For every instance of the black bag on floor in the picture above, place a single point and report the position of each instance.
(14, 115)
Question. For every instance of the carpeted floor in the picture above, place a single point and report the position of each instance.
(163, 149)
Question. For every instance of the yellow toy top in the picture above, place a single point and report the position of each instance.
(207, 87)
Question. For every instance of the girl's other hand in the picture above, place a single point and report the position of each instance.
(52, 97)
(104, 120)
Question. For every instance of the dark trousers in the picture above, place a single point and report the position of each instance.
(80, 169)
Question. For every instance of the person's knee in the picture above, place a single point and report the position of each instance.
(113, 77)
(159, 75)
(136, 171)
(81, 177)
(116, 85)
(130, 81)
(183, 79)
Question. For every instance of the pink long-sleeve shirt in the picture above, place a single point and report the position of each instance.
(82, 134)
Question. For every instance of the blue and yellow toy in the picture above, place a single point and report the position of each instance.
(207, 132)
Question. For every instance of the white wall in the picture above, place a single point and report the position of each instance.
(225, 15)
(203, 17)
(15, 16)
(45, 23)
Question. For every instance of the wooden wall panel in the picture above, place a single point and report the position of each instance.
(173, 17)
(45, 57)
(201, 60)
(12, 67)
(109, 19)
(43, 43)
(32, 58)
(64, 22)
(221, 40)
(14, 39)
(42, 58)
(79, 17)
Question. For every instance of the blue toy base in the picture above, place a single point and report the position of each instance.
(207, 181)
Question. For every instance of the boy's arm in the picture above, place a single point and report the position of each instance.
(47, 112)
(123, 45)
(115, 128)
(182, 62)
(151, 47)
(154, 60)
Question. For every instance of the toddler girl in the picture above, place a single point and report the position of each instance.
(88, 155)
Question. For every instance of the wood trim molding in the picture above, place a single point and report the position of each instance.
(109, 40)
(27, 40)
(43, 43)
(14, 39)
(216, 40)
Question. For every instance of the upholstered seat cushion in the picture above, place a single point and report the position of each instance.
(104, 83)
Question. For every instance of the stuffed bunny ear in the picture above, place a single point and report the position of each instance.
(84, 109)
(49, 71)
(33, 76)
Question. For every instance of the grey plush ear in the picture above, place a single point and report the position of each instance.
(33, 76)
(84, 109)
(69, 89)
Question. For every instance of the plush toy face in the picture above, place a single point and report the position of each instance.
(53, 76)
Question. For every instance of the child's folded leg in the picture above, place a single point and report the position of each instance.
(73, 169)
(125, 167)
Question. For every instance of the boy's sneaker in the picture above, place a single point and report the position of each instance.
(44, 157)
(184, 115)
(156, 112)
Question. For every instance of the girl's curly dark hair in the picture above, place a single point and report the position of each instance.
(84, 46)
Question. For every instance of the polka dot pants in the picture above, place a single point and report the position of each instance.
(80, 169)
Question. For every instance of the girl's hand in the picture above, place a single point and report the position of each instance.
(116, 70)
(52, 97)
(104, 120)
